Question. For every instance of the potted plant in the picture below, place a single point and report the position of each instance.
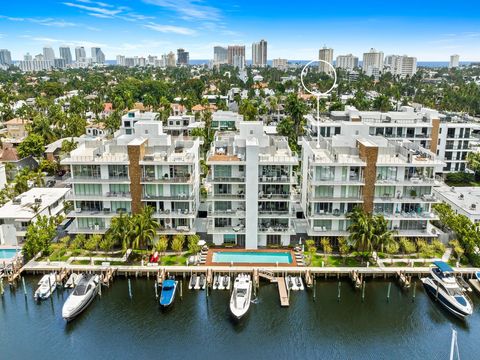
(413, 193)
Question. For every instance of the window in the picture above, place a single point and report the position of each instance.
(229, 239)
(117, 171)
(88, 189)
(274, 239)
(222, 171)
(89, 171)
(325, 173)
(386, 173)
(451, 133)
(323, 191)
(241, 168)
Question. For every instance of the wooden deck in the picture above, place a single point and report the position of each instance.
(283, 292)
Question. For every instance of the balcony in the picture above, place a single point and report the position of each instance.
(161, 180)
(225, 179)
(238, 196)
(268, 196)
(95, 213)
(97, 179)
(275, 179)
(180, 197)
(174, 213)
(106, 196)
(227, 213)
(238, 229)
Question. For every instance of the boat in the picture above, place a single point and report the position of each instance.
(72, 280)
(221, 282)
(202, 281)
(289, 282)
(193, 281)
(442, 286)
(461, 281)
(477, 275)
(216, 282)
(226, 282)
(197, 283)
(241, 296)
(81, 296)
(169, 288)
(46, 286)
(299, 283)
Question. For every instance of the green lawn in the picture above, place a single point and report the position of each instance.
(173, 260)
(336, 261)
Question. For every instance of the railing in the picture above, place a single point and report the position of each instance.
(72, 196)
(275, 212)
(226, 196)
(178, 179)
(225, 179)
(271, 179)
(168, 197)
(227, 212)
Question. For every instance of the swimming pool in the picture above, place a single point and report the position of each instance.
(6, 254)
(250, 257)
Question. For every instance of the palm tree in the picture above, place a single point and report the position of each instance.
(120, 230)
(144, 228)
(382, 236)
(361, 230)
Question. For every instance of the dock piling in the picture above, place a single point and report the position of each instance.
(414, 288)
(129, 288)
(363, 291)
(181, 289)
(1, 286)
(339, 287)
(24, 287)
(314, 288)
(156, 289)
(388, 291)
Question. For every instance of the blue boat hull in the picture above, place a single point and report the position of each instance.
(443, 301)
(167, 295)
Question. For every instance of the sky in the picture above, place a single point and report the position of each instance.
(294, 30)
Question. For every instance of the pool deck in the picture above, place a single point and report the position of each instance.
(209, 261)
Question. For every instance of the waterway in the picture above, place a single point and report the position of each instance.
(119, 327)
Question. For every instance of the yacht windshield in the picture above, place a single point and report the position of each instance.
(81, 289)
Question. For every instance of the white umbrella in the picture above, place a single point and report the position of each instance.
(201, 242)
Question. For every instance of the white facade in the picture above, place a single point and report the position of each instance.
(346, 62)
(36, 65)
(220, 55)
(5, 57)
(66, 54)
(325, 54)
(80, 54)
(249, 188)
(463, 200)
(48, 53)
(402, 66)
(281, 64)
(454, 61)
(17, 214)
(372, 62)
(259, 53)
(334, 175)
(165, 177)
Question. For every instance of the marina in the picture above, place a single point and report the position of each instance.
(324, 327)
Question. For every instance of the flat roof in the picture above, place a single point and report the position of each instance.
(24, 210)
(463, 197)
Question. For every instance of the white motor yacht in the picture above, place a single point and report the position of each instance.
(241, 295)
(81, 296)
(46, 286)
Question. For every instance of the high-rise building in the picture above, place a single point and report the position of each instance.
(325, 54)
(60, 63)
(5, 57)
(170, 59)
(48, 53)
(346, 62)
(97, 55)
(454, 61)
(121, 60)
(220, 55)
(66, 54)
(183, 57)
(80, 54)
(27, 57)
(259, 53)
(281, 64)
(372, 62)
(402, 66)
(236, 55)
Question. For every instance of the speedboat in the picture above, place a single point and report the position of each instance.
(461, 281)
(241, 296)
(226, 282)
(72, 280)
(216, 282)
(81, 297)
(299, 283)
(442, 286)
(202, 282)
(477, 275)
(193, 281)
(46, 286)
(169, 288)
(197, 283)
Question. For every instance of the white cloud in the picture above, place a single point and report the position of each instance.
(188, 9)
(170, 29)
(94, 9)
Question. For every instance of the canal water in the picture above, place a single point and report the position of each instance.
(117, 327)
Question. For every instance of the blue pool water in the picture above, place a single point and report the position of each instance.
(252, 257)
(7, 253)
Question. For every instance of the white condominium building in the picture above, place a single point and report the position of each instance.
(346, 62)
(391, 178)
(454, 61)
(144, 167)
(372, 62)
(249, 188)
(402, 66)
(325, 54)
(449, 137)
(281, 64)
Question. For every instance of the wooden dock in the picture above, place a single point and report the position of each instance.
(283, 292)
(475, 284)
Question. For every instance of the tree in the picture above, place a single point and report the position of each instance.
(119, 230)
(343, 248)
(144, 228)
(248, 109)
(106, 244)
(32, 145)
(457, 249)
(474, 162)
(382, 103)
(193, 246)
(327, 248)
(177, 243)
(162, 244)
(39, 236)
(406, 246)
(92, 242)
(78, 242)
(361, 230)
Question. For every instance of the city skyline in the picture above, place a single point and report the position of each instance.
(158, 26)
